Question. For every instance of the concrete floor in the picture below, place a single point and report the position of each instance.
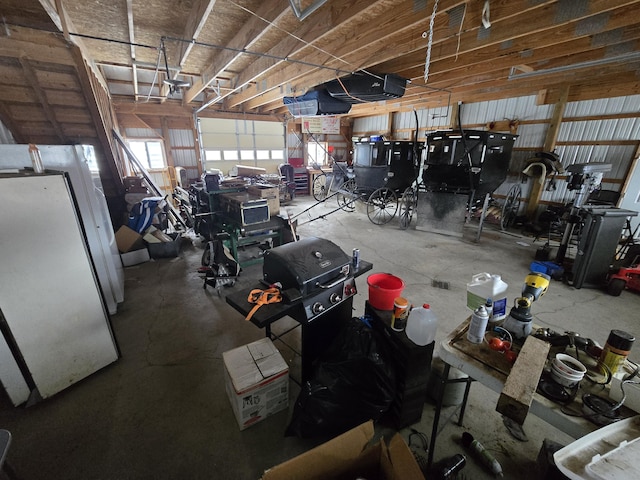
(161, 410)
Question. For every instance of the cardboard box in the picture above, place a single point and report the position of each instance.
(128, 239)
(245, 171)
(256, 380)
(351, 455)
(270, 193)
(263, 190)
(135, 257)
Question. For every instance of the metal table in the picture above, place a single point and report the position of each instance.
(491, 370)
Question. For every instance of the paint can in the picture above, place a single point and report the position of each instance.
(616, 349)
(400, 314)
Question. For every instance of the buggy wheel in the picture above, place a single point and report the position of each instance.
(616, 286)
(319, 187)
(347, 196)
(382, 206)
(408, 204)
(510, 207)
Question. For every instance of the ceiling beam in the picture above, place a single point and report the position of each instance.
(32, 77)
(250, 32)
(132, 48)
(60, 18)
(198, 16)
(516, 41)
(512, 24)
(326, 25)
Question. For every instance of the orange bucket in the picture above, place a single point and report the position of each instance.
(384, 288)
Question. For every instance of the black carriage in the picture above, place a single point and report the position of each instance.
(384, 174)
(465, 167)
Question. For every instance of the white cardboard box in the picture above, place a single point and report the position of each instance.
(256, 380)
(135, 257)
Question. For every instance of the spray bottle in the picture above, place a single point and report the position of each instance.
(482, 454)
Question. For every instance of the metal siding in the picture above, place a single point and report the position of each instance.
(143, 133)
(531, 135)
(523, 108)
(181, 138)
(185, 158)
(604, 106)
(378, 123)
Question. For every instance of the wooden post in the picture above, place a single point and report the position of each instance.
(549, 145)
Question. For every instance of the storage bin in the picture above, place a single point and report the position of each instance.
(166, 249)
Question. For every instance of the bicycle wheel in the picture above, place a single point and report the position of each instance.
(408, 204)
(319, 187)
(347, 196)
(382, 206)
(510, 207)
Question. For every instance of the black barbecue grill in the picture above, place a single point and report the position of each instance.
(317, 280)
(315, 270)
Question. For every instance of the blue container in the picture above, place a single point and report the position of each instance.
(552, 269)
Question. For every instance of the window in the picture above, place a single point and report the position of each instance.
(230, 154)
(277, 154)
(262, 154)
(212, 155)
(149, 153)
(247, 155)
(317, 152)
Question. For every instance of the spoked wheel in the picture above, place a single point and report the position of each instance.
(319, 187)
(408, 204)
(510, 207)
(382, 206)
(347, 196)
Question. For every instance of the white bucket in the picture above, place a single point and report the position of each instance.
(483, 286)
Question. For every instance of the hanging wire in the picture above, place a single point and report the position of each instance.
(427, 61)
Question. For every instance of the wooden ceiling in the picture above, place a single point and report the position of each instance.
(243, 56)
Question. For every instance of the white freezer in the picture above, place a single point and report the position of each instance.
(92, 205)
(53, 313)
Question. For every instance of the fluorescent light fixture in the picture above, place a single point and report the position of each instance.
(513, 75)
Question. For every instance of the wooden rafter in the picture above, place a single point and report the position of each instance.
(250, 32)
(32, 77)
(291, 47)
(199, 15)
(132, 48)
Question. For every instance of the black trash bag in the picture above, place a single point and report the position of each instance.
(353, 381)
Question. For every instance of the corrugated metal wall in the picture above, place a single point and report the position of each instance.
(586, 135)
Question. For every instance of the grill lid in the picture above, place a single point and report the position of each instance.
(303, 263)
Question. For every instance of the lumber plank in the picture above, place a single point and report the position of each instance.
(521, 384)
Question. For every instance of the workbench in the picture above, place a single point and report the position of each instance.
(276, 229)
(491, 369)
(315, 334)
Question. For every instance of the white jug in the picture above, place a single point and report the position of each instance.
(484, 286)
(422, 325)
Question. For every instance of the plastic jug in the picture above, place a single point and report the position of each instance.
(422, 325)
(484, 286)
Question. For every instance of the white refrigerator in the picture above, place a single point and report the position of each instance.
(92, 206)
(54, 326)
